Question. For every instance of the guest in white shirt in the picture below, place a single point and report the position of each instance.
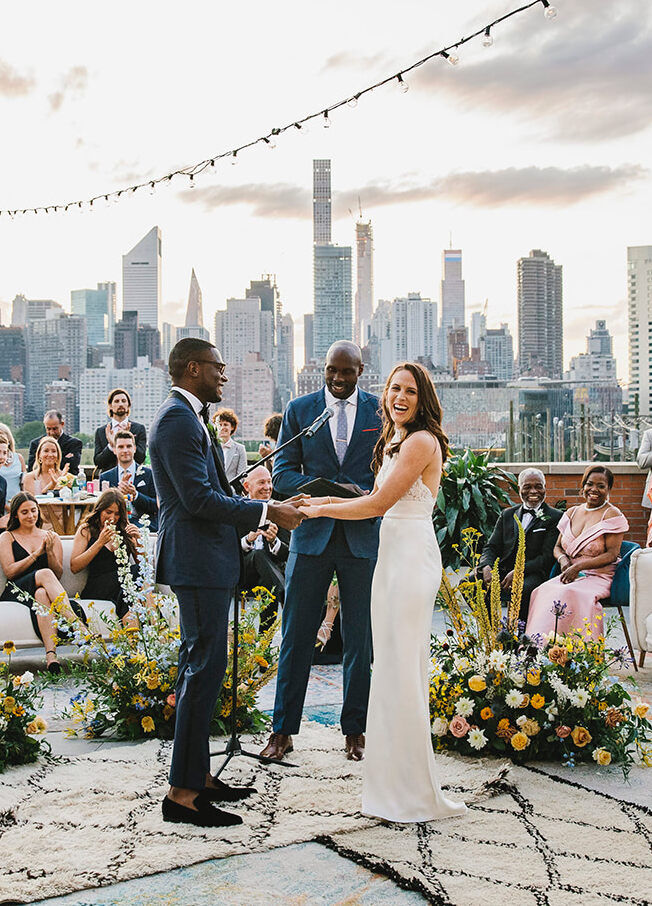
(12, 471)
(235, 455)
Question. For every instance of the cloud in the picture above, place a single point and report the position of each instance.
(349, 59)
(587, 76)
(549, 186)
(73, 82)
(12, 84)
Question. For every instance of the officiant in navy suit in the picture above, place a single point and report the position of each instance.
(198, 555)
(342, 451)
(133, 480)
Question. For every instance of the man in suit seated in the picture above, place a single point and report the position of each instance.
(71, 447)
(118, 406)
(265, 550)
(133, 480)
(540, 523)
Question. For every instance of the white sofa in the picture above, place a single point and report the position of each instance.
(640, 601)
(15, 622)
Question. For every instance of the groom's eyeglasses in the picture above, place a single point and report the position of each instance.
(219, 365)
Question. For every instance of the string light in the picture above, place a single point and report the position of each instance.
(300, 125)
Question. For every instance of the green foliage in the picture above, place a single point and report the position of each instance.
(87, 439)
(19, 724)
(27, 432)
(469, 496)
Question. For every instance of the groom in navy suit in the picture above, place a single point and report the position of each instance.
(341, 451)
(198, 554)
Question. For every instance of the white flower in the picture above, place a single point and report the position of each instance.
(462, 664)
(477, 739)
(464, 707)
(521, 720)
(439, 726)
(498, 660)
(552, 710)
(518, 679)
(514, 698)
(579, 698)
(26, 678)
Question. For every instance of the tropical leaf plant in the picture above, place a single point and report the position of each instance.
(472, 493)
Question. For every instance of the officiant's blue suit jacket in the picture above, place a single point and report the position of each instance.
(200, 520)
(315, 457)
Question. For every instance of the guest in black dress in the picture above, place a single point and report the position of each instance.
(93, 548)
(32, 559)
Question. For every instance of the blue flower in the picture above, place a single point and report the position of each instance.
(558, 609)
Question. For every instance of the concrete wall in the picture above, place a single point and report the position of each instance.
(562, 482)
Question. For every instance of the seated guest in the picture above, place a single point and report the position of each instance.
(118, 406)
(94, 548)
(271, 429)
(13, 469)
(587, 551)
(135, 481)
(265, 550)
(4, 452)
(47, 468)
(71, 447)
(32, 559)
(540, 523)
(235, 455)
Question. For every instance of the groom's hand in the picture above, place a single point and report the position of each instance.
(285, 514)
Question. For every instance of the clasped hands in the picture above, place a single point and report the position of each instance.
(286, 514)
(53, 475)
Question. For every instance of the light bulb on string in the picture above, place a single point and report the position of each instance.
(192, 180)
(353, 102)
(487, 39)
(403, 85)
(452, 57)
(152, 188)
(234, 158)
(550, 12)
(327, 122)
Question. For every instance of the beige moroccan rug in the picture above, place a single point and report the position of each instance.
(93, 820)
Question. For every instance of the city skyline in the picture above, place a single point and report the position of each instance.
(534, 150)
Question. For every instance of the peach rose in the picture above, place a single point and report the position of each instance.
(171, 700)
(459, 726)
(641, 709)
(602, 756)
(563, 731)
(581, 736)
(613, 717)
(558, 655)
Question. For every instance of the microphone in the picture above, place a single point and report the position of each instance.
(328, 412)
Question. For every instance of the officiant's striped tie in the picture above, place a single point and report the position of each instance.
(341, 437)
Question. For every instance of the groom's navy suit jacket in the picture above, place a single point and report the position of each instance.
(200, 521)
(315, 457)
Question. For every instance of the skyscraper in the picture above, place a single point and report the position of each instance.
(308, 337)
(13, 354)
(452, 290)
(639, 297)
(98, 307)
(321, 202)
(540, 320)
(478, 327)
(141, 278)
(53, 342)
(243, 328)
(497, 350)
(364, 295)
(194, 326)
(333, 297)
(413, 329)
(126, 340)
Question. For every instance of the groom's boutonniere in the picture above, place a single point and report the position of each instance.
(540, 515)
(212, 430)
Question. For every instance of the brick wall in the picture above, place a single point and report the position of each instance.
(563, 479)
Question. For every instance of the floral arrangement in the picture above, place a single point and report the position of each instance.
(127, 683)
(66, 480)
(20, 726)
(494, 690)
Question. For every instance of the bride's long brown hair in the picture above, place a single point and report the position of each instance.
(427, 417)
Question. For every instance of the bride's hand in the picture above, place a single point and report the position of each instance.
(311, 512)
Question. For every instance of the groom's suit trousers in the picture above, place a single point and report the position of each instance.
(203, 615)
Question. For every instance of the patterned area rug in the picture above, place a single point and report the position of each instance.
(92, 820)
(543, 841)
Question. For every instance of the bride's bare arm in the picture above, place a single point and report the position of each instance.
(417, 452)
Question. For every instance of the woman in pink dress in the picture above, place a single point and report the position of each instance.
(587, 551)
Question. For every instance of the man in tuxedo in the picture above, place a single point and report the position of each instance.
(118, 406)
(198, 555)
(133, 480)
(540, 523)
(342, 452)
(71, 447)
(265, 550)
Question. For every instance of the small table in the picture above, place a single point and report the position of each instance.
(65, 515)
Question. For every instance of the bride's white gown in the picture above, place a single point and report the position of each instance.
(399, 778)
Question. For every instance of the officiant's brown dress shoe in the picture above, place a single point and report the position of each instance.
(277, 746)
(354, 746)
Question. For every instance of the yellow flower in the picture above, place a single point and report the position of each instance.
(9, 648)
(531, 727)
(533, 677)
(602, 756)
(41, 725)
(119, 662)
(486, 714)
(31, 729)
(519, 741)
(261, 662)
(581, 737)
(18, 711)
(249, 636)
(9, 704)
(173, 672)
(537, 701)
(525, 701)
(641, 709)
(147, 724)
(602, 706)
(153, 681)
(168, 712)
(477, 683)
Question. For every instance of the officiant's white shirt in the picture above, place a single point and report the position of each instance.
(351, 409)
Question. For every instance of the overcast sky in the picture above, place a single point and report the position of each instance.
(542, 141)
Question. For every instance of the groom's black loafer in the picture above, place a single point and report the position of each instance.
(354, 747)
(222, 792)
(205, 816)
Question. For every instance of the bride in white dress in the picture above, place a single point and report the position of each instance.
(400, 779)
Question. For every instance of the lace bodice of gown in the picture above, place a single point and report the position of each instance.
(416, 501)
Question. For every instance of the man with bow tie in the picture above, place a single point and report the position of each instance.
(119, 407)
(540, 524)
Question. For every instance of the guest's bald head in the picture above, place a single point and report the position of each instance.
(258, 483)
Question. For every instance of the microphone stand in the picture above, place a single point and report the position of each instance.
(233, 746)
